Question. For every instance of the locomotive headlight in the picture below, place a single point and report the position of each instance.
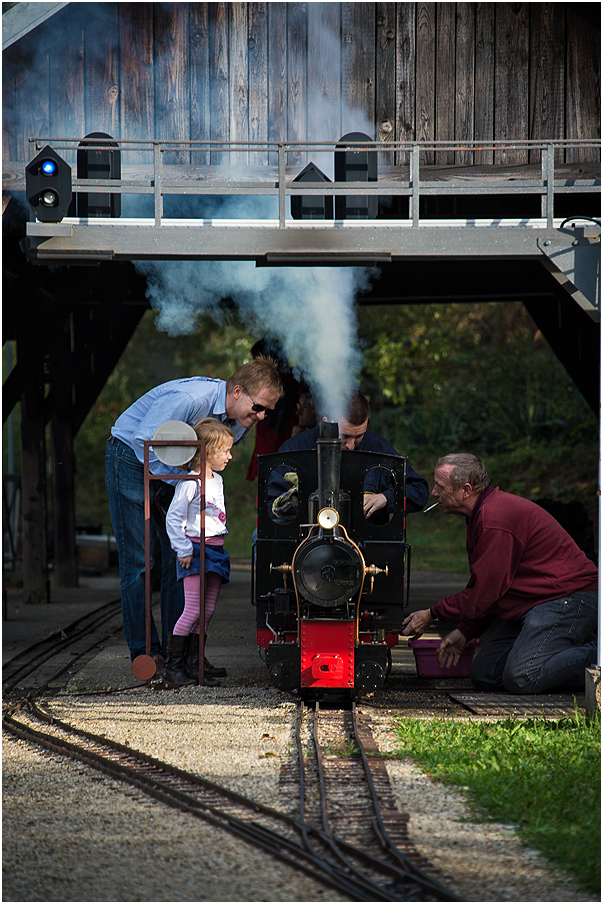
(328, 518)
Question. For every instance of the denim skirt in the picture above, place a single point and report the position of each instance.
(216, 560)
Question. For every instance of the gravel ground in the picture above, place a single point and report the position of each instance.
(70, 834)
(108, 843)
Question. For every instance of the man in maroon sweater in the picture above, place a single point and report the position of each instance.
(527, 572)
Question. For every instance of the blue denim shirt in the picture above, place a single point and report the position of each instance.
(187, 400)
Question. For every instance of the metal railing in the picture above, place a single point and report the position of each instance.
(411, 185)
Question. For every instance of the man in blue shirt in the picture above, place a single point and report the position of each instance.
(241, 401)
(354, 434)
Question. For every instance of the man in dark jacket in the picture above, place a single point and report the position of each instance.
(354, 434)
(526, 571)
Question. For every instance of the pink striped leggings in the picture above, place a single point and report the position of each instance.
(188, 623)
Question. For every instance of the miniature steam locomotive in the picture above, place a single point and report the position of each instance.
(329, 584)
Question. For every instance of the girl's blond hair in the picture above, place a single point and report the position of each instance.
(215, 435)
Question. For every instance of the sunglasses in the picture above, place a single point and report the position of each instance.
(255, 407)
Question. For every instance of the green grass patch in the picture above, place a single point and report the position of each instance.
(543, 777)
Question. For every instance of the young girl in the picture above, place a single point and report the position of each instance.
(183, 524)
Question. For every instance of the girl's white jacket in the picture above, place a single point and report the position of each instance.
(183, 519)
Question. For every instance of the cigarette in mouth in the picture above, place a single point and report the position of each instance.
(430, 507)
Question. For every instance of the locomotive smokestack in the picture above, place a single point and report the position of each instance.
(329, 464)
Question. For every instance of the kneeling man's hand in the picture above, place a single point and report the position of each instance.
(450, 649)
(416, 623)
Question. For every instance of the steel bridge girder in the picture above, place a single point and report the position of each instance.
(571, 254)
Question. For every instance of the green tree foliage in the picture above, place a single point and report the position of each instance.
(152, 357)
(476, 377)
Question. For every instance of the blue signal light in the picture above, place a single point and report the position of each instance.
(48, 167)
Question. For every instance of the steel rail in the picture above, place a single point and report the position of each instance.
(380, 829)
(374, 891)
(31, 659)
(399, 867)
(338, 872)
(337, 848)
(259, 836)
(154, 782)
(336, 869)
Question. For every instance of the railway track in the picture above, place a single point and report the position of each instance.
(41, 666)
(299, 842)
(344, 788)
(343, 829)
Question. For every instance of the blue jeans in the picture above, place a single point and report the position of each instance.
(124, 478)
(550, 647)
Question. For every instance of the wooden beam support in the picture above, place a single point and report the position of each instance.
(62, 460)
(101, 334)
(574, 338)
(33, 471)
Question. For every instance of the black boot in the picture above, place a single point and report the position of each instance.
(191, 664)
(174, 673)
(212, 670)
(191, 658)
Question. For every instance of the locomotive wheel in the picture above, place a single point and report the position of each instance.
(369, 678)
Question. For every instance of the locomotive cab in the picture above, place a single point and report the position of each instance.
(329, 585)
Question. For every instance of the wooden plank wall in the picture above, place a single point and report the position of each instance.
(308, 71)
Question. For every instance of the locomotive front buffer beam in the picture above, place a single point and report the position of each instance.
(327, 660)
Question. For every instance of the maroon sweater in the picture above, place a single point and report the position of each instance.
(519, 556)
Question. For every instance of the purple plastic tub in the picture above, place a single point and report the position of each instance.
(426, 656)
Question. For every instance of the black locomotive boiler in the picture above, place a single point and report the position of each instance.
(330, 585)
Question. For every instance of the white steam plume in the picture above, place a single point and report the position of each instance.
(309, 309)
